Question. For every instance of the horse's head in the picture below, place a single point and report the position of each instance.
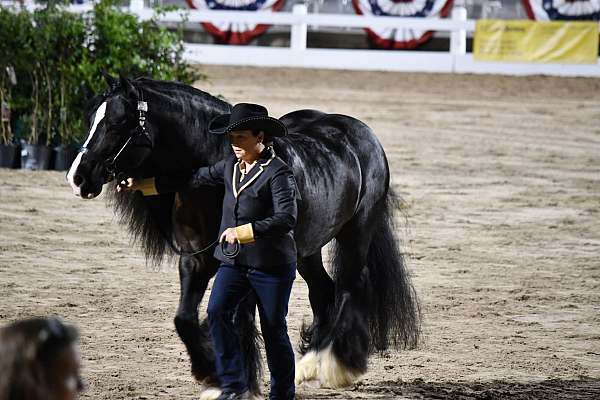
(120, 138)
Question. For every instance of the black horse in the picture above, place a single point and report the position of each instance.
(367, 304)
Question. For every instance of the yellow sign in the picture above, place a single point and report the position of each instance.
(572, 42)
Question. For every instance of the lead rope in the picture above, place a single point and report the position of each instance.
(234, 253)
(231, 255)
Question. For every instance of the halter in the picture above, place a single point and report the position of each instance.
(110, 164)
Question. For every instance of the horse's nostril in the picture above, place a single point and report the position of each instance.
(78, 180)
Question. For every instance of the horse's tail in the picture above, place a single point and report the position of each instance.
(393, 308)
(250, 341)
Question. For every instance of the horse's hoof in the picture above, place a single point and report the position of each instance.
(210, 393)
(313, 384)
(307, 369)
(332, 373)
(323, 369)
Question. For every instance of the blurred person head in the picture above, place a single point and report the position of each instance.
(39, 359)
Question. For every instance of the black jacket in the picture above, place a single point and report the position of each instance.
(265, 199)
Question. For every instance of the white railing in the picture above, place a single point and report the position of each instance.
(298, 55)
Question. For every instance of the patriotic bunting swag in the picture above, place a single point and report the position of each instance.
(557, 10)
(235, 33)
(389, 38)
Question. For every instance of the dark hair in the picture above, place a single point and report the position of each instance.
(27, 350)
(268, 140)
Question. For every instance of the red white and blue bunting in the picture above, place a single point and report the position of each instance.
(561, 10)
(235, 33)
(390, 38)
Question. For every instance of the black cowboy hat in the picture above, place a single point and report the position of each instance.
(247, 116)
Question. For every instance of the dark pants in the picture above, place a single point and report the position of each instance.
(231, 285)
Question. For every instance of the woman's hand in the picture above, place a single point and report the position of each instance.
(229, 235)
(146, 186)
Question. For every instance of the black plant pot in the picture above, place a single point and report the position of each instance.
(8, 155)
(35, 157)
(63, 157)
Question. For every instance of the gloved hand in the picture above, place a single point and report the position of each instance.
(146, 186)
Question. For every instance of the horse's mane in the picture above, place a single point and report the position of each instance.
(148, 219)
(179, 88)
(91, 106)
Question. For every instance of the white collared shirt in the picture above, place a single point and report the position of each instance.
(245, 168)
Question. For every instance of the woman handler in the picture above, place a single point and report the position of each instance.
(259, 214)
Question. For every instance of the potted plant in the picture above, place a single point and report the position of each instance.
(58, 58)
(8, 149)
(32, 56)
(56, 50)
(69, 87)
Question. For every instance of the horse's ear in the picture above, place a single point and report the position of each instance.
(130, 90)
(110, 80)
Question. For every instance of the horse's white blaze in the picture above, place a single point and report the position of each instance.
(100, 113)
(71, 175)
(324, 367)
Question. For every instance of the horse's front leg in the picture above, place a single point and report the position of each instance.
(194, 275)
(196, 224)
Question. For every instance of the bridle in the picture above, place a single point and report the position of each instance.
(110, 163)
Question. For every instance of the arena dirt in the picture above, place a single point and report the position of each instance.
(501, 182)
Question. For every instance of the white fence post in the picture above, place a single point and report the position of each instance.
(136, 5)
(299, 29)
(458, 38)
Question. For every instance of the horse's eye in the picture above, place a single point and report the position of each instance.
(115, 130)
(117, 127)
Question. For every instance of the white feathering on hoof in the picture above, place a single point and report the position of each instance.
(332, 373)
(307, 369)
(325, 368)
(210, 393)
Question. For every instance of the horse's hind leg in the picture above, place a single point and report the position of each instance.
(376, 305)
(342, 355)
(321, 296)
(344, 358)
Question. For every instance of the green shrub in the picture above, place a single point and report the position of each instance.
(16, 30)
(58, 58)
(121, 44)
